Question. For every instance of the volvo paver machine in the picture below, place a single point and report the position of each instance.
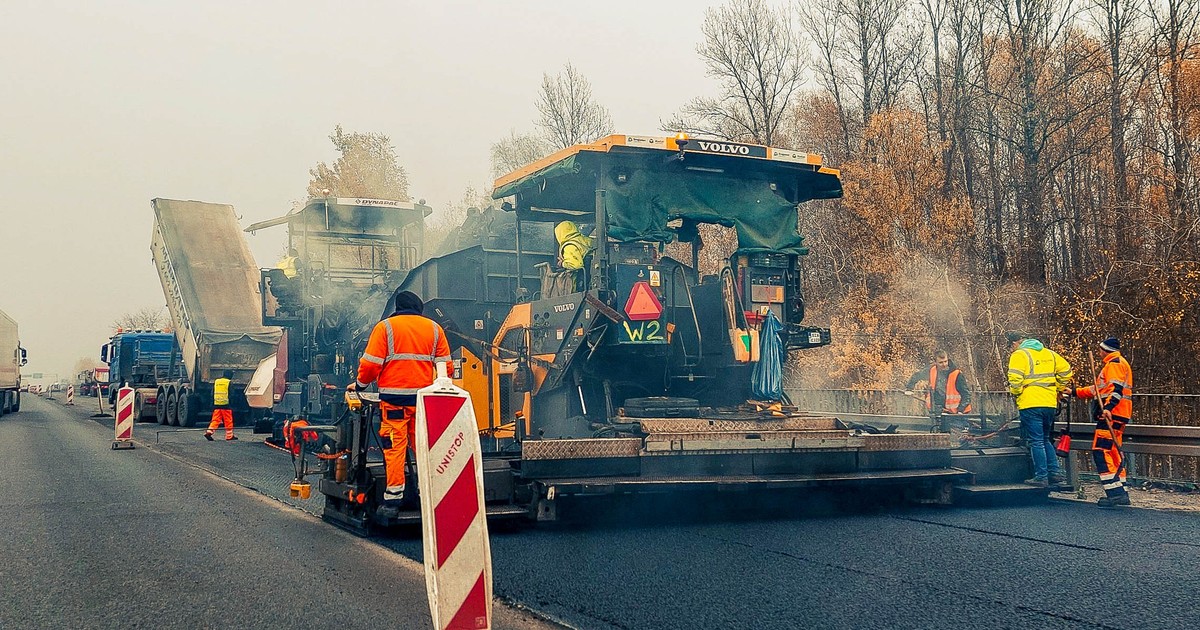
(633, 375)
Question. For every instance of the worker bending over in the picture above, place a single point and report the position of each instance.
(1112, 407)
(400, 357)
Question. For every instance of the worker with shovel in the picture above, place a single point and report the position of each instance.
(1112, 406)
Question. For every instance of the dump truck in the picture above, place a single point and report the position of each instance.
(350, 253)
(142, 360)
(93, 382)
(12, 357)
(642, 372)
(210, 281)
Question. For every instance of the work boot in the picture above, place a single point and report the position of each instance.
(388, 509)
(1058, 480)
(231, 438)
(1108, 502)
(208, 436)
(1040, 482)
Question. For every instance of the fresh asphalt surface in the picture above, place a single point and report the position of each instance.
(96, 538)
(1057, 565)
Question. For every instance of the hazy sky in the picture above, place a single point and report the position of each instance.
(107, 104)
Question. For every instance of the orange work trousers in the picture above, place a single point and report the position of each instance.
(399, 428)
(220, 416)
(1107, 457)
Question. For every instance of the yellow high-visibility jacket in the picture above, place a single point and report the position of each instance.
(288, 265)
(1036, 374)
(573, 246)
(221, 392)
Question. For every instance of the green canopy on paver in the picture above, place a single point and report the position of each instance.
(648, 187)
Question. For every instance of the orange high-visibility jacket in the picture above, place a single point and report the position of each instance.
(1115, 386)
(953, 396)
(400, 355)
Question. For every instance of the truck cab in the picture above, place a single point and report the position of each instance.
(140, 359)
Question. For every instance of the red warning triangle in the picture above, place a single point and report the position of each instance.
(643, 304)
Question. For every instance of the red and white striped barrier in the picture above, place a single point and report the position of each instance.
(124, 419)
(70, 394)
(458, 555)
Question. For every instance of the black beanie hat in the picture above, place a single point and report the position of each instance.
(1112, 344)
(1014, 336)
(407, 301)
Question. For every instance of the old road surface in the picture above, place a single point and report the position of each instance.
(96, 538)
(195, 550)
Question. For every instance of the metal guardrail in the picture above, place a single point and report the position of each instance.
(1161, 443)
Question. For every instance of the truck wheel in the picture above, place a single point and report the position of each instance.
(160, 406)
(173, 407)
(141, 411)
(188, 408)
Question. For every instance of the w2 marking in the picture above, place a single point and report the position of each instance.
(643, 332)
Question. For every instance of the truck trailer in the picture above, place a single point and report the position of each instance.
(210, 281)
(12, 357)
(94, 382)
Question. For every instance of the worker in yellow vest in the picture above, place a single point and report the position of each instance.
(222, 413)
(289, 263)
(1036, 376)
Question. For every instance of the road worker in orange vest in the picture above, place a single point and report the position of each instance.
(1112, 405)
(222, 413)
(400, 358)
(948, 391)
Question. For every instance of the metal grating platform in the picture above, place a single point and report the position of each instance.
(909, 442)
(733, 441)
(692, 425)
(583, 448)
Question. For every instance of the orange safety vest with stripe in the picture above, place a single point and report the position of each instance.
(1114, 385)
(953, 396)
(400, 355)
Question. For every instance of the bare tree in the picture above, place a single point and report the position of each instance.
(516, 151)
(569, 113)
(869, 50)
(145, 318)
(1116, 22)
(755, 52)
(367, 167)
(83, 364)
(1176, 42)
